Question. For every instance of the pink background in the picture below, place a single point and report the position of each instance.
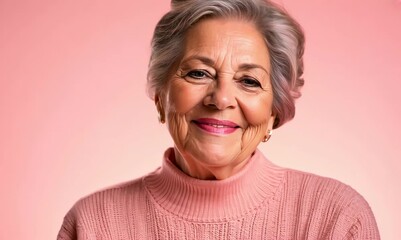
(74, 116)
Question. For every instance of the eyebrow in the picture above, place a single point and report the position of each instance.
(210, 62)
(247, 66)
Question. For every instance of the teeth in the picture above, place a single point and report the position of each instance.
(216, 126)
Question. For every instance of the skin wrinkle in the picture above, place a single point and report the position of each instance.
(228, 56)
(209, 62)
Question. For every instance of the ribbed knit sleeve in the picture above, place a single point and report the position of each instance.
(358, 220)
(68, 230)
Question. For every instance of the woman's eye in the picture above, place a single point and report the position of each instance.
(197, 74)
(250, 82)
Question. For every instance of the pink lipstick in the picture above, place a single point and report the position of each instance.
(212, 125)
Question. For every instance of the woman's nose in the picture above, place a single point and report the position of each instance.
(221, 96)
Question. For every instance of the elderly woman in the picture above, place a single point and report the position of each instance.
(223, 74)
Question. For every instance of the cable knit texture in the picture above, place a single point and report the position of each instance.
(262, 201)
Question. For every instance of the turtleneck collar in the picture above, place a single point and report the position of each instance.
(213, 200)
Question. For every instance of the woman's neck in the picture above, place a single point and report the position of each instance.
(194, 167)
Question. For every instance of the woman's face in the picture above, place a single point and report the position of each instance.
(218, 101)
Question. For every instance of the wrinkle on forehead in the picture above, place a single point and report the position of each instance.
(227, 48)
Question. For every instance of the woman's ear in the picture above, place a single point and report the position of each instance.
(159, 107)
(270, 124)
(269, 130)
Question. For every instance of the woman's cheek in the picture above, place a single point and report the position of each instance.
(253, 134)
(257, 113)
(183, 96)
(178, 127)
(256, 110)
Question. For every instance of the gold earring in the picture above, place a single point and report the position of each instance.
(267, 137)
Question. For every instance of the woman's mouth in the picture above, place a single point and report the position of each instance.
(212, 125)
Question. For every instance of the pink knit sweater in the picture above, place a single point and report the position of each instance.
(262, 201)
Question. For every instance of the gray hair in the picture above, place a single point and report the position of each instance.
(283, 36)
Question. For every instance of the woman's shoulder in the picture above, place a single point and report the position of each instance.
(320, 187)
(328, 195)
(112, 195)
(328, 198)
(107, 206)
(310, 189)
(297, 178)
(110, 199)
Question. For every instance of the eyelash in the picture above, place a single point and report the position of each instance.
(254, 83)
(192, 72)
(246, 80)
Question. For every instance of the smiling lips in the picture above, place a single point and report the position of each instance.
(212, 125)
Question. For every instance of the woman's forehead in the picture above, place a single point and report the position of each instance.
(214, 40)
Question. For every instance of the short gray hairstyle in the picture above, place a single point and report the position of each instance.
(283, 36)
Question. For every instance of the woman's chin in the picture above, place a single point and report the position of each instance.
(215, 155)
